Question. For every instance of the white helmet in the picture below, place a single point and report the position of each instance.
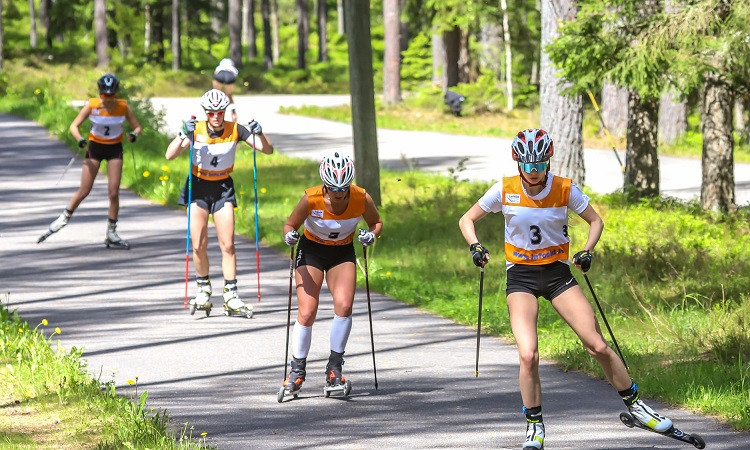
(214, 100)
(532, 145)
(337, 170)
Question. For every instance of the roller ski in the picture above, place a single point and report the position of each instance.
(293, 383)
(534, 436)
(641, 416)
(55, 226)
(233, 306)
(113, 240)
(335, 381)
(201, 302)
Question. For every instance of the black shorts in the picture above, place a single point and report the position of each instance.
(323, 256)
(225, 77)
(208, 194)
(547, 280)
(102, 152)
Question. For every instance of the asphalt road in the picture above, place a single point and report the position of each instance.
(220, 374)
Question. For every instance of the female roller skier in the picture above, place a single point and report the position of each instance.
(215, 144)
(535, 205)
(106, 114)
(330, 214)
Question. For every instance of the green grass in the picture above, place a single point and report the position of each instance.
(48, 399)
(671, 277)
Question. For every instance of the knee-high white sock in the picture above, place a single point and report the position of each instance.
(301, 338)
(340, 332)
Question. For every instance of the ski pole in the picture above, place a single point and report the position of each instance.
(257, 236)
(289, 311)
(606, 130)
(70, 163)
(369, 315)
(135, 166)
(479, 318)
(601, 311)
(190, 200)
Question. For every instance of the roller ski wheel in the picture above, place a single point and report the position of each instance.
(243, 311)
(675, 433)
(44, 237)
(117, 245)
(284, 392)
(192, 308)
(345, 388)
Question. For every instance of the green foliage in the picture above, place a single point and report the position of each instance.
(416, 66)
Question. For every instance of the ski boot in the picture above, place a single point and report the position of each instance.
(55, 226)
(233, 306)
(113, 240)
(335, 381)
(201, 301)
(534, 436)
(642, 416)
(293, 382)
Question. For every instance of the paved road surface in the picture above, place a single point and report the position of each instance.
(488, 158)
(221, 374)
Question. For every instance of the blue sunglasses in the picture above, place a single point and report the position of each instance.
(538, 166)
(337, 189)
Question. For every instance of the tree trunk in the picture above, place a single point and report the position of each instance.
(490, 43)
(438, 61)
(614, 109)
(465, 72)
(44, 8)
(176, 47)
(340, 17)
(364, 130)
(158, 16)
(452, 40)
(392, 55)
(275, 30)
(561, 116)
(265, 11)
(235, 32)
(717, 190)
(146, 30)
(303, 31)
(250, 30)
(641, 159)
(217, 18)
(404, 28)
(100, 33)
(672, 117)
(740, 124)
(2, 37)
(32, 23)
(508, 57)
(322, 11)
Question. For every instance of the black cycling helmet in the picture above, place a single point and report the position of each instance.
(108, 84)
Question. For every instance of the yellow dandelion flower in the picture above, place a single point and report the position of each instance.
(146, 174)
(131, 382)
(163, 178)
(58, 330)
(51, 102)
(388, 274)
(165, 168)
(44, 322)
(20, 330)
(246, 84)
(38, 91)
(204, 434)
(263, 190)
(242, 192)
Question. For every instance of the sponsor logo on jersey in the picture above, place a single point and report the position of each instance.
(317, 213)
(513, 198)
(200, 138)
(95, 111)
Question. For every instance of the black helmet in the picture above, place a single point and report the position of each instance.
(108, 84)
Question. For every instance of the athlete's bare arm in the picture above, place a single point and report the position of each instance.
(133, 121)
(467, 221)
(297, 217)
(176, 147)
(372, 216)
(262, 143)
(596, 226)
(82, 115)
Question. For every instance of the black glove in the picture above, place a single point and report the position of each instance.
(132, 136)
(82, 142)
(254, 127)
(583, 259)
(478, 254)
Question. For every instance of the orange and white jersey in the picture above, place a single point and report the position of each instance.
(536, 227)
(106, 126)
(213, 157)
(323, 226)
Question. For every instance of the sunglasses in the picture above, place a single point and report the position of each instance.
(215, 113)
(538, 166)
(337, 189)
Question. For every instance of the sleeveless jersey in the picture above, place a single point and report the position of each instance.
(213, 158)
(324, 227)
(536, 228)
(106, 126)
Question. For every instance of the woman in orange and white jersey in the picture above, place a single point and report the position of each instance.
(106, 115)
(214, 147)
(330, 213)
(535, 205)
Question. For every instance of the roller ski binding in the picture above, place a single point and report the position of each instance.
(55, 226)
(293, 383)
(641, 416)
(233, 306)
(335, 381)
(534, 436)
(201, 302)
(113, 240)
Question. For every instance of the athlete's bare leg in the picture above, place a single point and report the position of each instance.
(523, 309)
(224, 221)
(341, 281)
(199, 239)
(114, 175)
(309, 281)
(88, 175)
